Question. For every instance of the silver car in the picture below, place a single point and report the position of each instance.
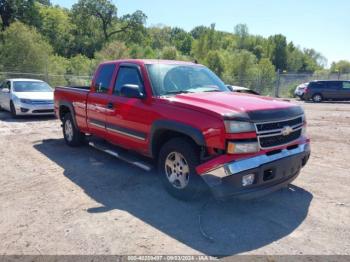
(299, 91)
(26, 97)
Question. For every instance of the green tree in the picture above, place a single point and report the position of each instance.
(242, 33)
(112, 51)
(169, 53)
(266, 76)
(342, 67)
(278, 51)
(182, 40)
(199, 31)
(106, 13)
(57, 68)
(81, 66)
(24, 49)
(215, 63)
(18, 10)
(57, 26)
(240, 68)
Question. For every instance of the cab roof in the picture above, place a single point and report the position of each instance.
(151, 62)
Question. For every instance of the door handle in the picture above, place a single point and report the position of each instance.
(110, 105)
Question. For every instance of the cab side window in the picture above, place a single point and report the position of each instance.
(127, 76)
(104, 78)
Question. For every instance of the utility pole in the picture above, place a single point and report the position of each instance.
(277, 87)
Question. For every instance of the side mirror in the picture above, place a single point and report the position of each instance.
(132, 91)
(5, 90)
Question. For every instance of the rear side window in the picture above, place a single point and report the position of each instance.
(104, 78)
(127, 76)
(334, 85)
(318, 85)
(346, 85)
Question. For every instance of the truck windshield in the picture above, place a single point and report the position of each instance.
(177, 79)
(31, 86)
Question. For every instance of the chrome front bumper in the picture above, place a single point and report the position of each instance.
(34, 109)
(284, 167)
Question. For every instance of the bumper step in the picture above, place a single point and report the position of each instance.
(121, 154)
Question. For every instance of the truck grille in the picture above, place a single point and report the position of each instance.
(272, 134)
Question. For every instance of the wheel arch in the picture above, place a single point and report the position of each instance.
(67, 107)
(164, 130)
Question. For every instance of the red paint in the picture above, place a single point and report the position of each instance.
(203, 111)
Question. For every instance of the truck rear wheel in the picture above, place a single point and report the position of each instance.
(71, 133)
(178, 159)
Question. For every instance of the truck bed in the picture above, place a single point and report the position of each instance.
(74, 97)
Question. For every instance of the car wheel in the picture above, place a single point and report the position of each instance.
(13, 110)
(317, 98)
(71, 133)
(177, 164)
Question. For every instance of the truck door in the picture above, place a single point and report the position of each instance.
(97, 101)
(129, 120)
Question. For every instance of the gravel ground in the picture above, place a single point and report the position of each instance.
(62, 201)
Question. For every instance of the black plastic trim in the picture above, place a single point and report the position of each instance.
(127, 131)
(71, 109)
(275, 114)
(160, 126)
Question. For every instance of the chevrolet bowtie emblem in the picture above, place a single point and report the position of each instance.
(287, 130)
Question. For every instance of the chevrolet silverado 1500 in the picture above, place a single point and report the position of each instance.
(182, 118)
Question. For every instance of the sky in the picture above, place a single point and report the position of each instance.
(320, 24)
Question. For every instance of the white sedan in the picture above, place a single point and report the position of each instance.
(26, 97)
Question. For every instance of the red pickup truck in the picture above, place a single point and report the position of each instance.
(182, 119)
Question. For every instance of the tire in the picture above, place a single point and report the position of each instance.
(317, 98)
(175, 158)
(13, 110)
(71, 133)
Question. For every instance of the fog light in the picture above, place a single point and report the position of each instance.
(248, 180)
(24, 110)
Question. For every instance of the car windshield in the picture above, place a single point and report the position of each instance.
(177, 79)
(31, 86)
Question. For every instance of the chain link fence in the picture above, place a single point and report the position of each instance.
(281, 85)
(52, 79)
(284, 85)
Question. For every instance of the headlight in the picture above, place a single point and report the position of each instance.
(242, 147)
(26, 101)
(239, 127)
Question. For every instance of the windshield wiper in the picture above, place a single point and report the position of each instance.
(178, 92)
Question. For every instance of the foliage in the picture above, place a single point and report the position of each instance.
(169, 53)
(342, 67)
(215, 62)
(24, 49)
(113, 51)
(39, 37)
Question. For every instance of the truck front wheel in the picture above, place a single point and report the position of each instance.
(178, 159)
(71, 133)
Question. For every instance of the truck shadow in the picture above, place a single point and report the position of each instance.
(234, 226)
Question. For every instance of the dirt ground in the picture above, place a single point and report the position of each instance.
(62, 201)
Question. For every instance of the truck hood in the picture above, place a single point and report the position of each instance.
(34, 95)
(238, 106)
